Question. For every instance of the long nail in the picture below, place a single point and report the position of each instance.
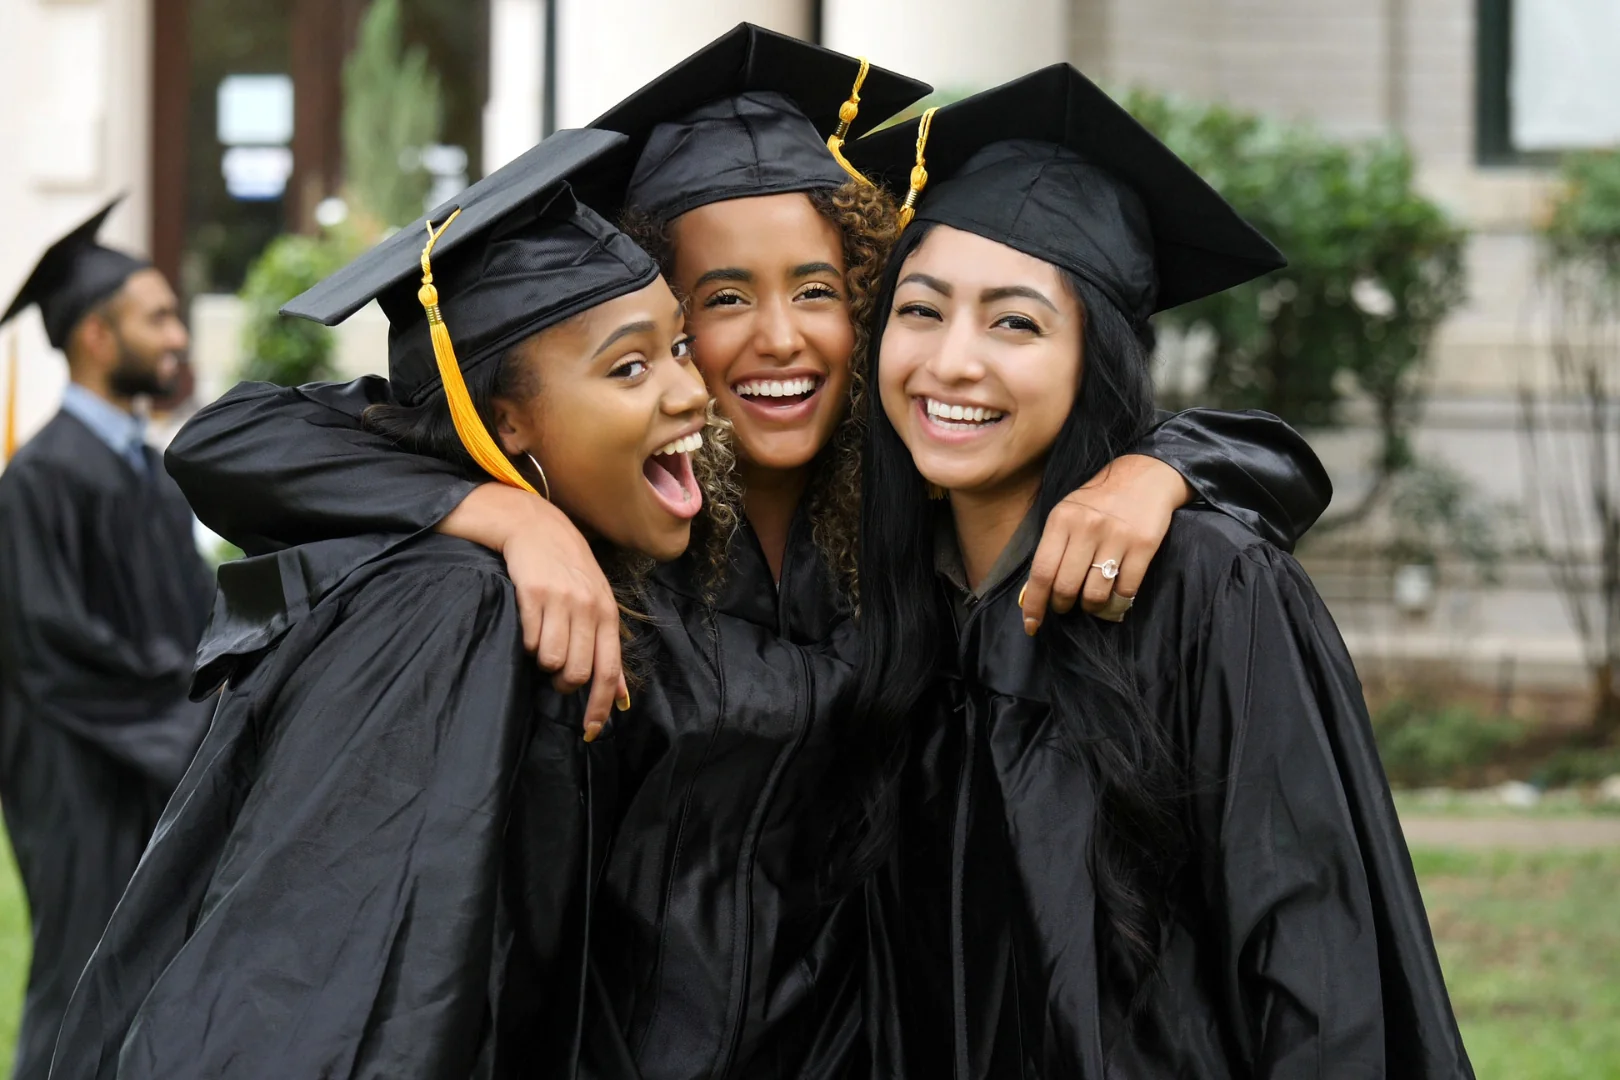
(623, 704)
(592, 730)
(1031, 625)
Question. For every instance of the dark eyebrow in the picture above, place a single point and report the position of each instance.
(643, 327)
(815, 268)
(725, 273)
(941, 287)
(990, 296)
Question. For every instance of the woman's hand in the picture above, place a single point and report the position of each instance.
(570, 616)
(1118, 517)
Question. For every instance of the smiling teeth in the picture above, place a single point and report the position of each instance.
(961, 413)
(687, 445)
(775, 388)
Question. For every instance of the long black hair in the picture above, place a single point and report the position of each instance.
(1101, 719)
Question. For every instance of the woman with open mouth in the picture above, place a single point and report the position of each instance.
(329, 892)
(1159, 848)
(714, 950)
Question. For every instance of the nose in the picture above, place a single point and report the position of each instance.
(776, 332)
(958, 358)
(179, 337)
(684, 391)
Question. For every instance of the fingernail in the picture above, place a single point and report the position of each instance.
(592, 730)
(623, 704)
(1021, 593)
(1031, 625)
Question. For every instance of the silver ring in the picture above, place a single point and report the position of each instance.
(1109, 568)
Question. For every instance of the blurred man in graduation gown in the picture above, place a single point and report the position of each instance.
(103, 598)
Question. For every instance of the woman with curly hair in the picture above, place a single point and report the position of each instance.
(714, 951)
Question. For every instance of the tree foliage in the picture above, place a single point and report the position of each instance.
(392, 109)
(1374, 268)
(1571, 420)
(278, 349)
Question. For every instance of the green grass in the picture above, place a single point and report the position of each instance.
(1530, 943)
(13, 953)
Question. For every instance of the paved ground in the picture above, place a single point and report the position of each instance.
(1527, 833)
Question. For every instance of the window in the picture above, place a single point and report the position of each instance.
(1548, 81)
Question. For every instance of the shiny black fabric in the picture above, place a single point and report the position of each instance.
(1299, 945)
(322, 897)
(1050, 165)
(522, 255)
(74, 275)
(102, 600)
(757, 143)
(709, 955)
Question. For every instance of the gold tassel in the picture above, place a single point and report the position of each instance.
(469, 425)
(919, 173)
(847, 112)
(11, 401)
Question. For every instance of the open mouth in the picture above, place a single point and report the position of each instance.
(960, 418)
(778, 393)
(669, 474)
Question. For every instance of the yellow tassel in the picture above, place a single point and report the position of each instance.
(847, 112)
(469, 425)
(919, 171)
(11, 401)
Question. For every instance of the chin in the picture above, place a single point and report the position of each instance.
(783, 454)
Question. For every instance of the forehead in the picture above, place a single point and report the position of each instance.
(584, 333)
(759, 230)
(969, 260)
(147, 289)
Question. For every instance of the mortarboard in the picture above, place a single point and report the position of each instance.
(510, 256)
(749, 114)
(1050, 165)
(74, 275)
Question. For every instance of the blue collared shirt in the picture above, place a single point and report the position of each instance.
(124, 433)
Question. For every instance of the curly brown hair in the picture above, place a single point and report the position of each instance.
(867, 219)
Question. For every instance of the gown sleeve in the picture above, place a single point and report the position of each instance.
(1326, 955)
(321, 897)
(69, 666)
(269, 467)
(1248, 465)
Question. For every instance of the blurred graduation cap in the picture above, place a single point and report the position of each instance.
(74, 275)
(510, 256)
(1052, 166)
(752, 113)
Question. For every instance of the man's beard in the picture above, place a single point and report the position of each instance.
(135, 377)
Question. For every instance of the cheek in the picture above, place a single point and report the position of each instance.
(1044, 391)
(833, 337)
(718, 344)
(899, 359)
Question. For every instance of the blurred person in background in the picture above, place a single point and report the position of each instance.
(103, 598)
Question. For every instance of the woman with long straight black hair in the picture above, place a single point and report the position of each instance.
(1163, 848)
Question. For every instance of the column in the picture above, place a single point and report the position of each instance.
(961, 46)
(513, 114)
(608, 48)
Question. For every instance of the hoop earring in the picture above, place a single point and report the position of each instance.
(545, 485)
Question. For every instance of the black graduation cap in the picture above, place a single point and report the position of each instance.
(522, 254)
(1052, 166)
(74, 275)
(748, 114)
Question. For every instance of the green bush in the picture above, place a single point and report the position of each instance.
(392, 109)
(282, 350)
(1425, 746)
(1584, 227)
(1578, 765)
(1374, 267)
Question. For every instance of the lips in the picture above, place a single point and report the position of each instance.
(669, 473)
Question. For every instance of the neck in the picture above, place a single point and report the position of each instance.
(770, 498)
(99, 387)
(986, 521)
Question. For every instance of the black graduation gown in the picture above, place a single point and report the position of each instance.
(102, 600)
(324, 894)
(709, 953)
(1300, 946)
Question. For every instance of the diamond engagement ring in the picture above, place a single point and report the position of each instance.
(1109, 568)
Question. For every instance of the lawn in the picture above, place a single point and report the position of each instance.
(1530, 943)
(1531, 947)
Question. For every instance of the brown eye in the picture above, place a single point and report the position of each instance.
(630, 368)
(682, 349)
